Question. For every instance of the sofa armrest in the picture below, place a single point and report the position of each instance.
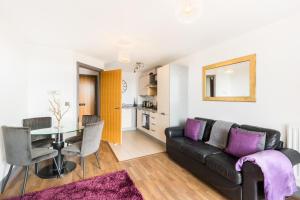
(172, 132)
(292, 154)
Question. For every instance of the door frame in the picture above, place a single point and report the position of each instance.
(83, 65)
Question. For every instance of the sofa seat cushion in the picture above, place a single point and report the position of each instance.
(197, 150)
(224, 165)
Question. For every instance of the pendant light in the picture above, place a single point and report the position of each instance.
(188, 11)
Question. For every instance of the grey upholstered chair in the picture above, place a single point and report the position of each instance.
(39, 140)
(86, 119)
(39, 123)
(17, 144)
(90, 144)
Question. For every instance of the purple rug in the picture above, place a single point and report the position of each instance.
(112, 186)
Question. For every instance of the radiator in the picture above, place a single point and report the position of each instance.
(293, 142)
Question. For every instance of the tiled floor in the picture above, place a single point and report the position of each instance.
(136, 144)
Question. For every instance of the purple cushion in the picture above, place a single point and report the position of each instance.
(243, 142)
(194, 129)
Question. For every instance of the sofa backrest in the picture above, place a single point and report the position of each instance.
(272, 136)
(209, 125)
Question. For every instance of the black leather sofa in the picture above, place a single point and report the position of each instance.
(217, 168)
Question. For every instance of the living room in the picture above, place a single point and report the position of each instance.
(42, 44)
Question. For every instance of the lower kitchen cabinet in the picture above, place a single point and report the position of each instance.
(155, 128)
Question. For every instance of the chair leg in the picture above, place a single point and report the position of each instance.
(97, 157)
(36, 168)
(25, 180)
(82, 166)
(6, 179)
(58, 170)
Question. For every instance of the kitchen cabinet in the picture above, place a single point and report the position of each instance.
(144, 88)
(128, 118)
(172, 101)
(172, 97)
(139, 119)
(153, 126)
(143, 83)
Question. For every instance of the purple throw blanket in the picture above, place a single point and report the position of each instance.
(279, 179)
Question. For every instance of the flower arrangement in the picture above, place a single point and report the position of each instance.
(56, 109)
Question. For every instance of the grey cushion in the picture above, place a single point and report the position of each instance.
(208, 126)
(272, 136)
(72, 149)
(224, 165)
(219, 134)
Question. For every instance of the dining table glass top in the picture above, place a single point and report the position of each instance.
(55, 130)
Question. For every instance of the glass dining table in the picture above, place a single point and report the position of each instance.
(65, 167)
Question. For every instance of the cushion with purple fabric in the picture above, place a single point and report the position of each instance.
(243, 142)
(194, 129)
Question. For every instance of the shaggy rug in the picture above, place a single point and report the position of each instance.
(112, 186)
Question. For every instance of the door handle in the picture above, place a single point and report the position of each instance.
(117, 108)
(82, 104)
(163, 113)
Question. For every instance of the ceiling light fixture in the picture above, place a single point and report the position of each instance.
(189, 11)
(138, 66)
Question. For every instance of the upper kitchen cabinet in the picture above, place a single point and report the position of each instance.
(172, 96)
(146, 87)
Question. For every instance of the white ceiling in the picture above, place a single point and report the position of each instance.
(93, 27)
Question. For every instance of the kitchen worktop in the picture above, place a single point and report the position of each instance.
(146, 109)
(129, 106)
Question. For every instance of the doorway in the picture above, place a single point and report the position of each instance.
(99, 92)
(88, 81)
(87, 96)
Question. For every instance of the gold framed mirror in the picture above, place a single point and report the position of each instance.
(232, 80)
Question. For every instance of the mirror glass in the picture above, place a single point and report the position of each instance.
(229, 81)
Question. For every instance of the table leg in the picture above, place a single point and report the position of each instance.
(50, 171)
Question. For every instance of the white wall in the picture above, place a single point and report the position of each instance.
(132, 81)
(13, 90)
(53, 69)
(28, 73)
(278, 77)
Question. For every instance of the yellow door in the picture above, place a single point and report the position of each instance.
(110, 105)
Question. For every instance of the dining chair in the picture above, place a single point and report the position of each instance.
(19, 152)
(39, 123)
(39, 140)
(91, 140)
(86, 119)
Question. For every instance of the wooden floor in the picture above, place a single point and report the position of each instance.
(156, 177)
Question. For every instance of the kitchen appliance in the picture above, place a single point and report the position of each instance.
(152, 79)
(146, 120)
(147, 104)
